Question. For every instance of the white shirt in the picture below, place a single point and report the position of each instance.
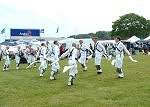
(18, 52)
(42, 52)
(72, 54)
(6, 53)
(99, 48)
(29, 51)
(120, 47)
(48, 50)
(83, 48)
(55, 52)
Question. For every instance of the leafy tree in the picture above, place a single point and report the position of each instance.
(129, 25)
(104, 35)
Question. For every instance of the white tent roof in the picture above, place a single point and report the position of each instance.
(148, 38)
(133, 39)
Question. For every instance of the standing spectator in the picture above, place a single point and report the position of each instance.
(91, 47)
(62, 49)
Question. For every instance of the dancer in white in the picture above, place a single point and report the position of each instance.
(42, 56)
(99, 52)
(83, 54)
(18, 55)
(31, 55)
(6, 54)
(120, 47)
(72, 56)
(48, 51)
(54, 58)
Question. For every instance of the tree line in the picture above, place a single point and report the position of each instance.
(126, 26)
(104, 35)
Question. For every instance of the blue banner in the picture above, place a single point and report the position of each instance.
(25, 32)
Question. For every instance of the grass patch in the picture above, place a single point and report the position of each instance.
(24, 88)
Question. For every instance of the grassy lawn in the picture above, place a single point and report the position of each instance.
(24, 88)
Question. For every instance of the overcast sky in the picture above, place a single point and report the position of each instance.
(72, 16)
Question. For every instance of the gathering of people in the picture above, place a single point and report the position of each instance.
(51, 54)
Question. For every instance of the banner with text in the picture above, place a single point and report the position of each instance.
(25, 32)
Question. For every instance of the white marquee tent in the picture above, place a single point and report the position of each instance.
(147, 39)
(133, 39)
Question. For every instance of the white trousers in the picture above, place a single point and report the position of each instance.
(30, 58)
(83, 58)
(98, 58)
(7, 61)
(73, 71)
(17, 58)
(119, 61)
(55, 66)
(43, 65)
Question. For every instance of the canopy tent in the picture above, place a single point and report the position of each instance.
(147, 39)
(133, 39)
(141, 40)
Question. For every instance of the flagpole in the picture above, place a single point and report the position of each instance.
(2, 32)
(4, 35)
(57, 31)
(58, 34)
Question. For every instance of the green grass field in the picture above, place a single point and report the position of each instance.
(24, 88)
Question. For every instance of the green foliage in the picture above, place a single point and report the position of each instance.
(103, 35)
(129, 25)
(24, 88)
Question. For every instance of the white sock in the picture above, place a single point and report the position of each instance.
(52, 74)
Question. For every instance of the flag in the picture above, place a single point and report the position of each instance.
(3, 31)
(42, 31)
(57, 29)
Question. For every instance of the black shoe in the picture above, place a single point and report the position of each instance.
(99, 73)
(120, 77)
(71, 82)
